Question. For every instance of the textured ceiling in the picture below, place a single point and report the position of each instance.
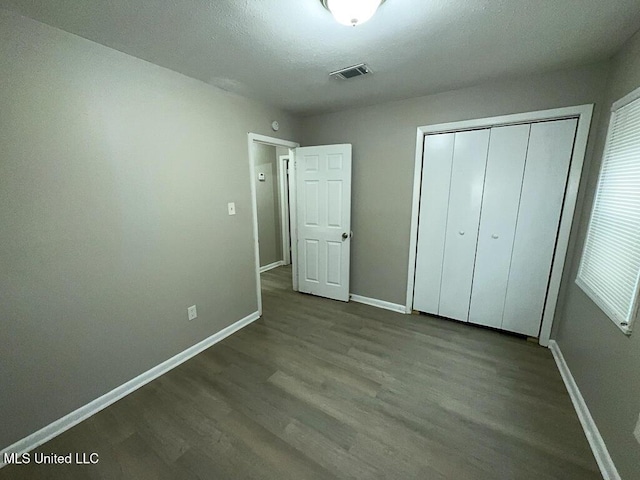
(281, 51)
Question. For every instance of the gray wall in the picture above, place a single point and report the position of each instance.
(383, 138)
(114, 180)
(604, 362)
(268, 203)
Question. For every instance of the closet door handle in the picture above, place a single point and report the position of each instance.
(494, 236)
(461, 232)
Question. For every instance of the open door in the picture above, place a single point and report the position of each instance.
(323, 220)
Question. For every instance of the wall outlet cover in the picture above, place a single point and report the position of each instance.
(192, 312)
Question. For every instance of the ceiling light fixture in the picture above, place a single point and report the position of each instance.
(352, 12)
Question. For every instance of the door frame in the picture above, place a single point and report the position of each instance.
(584, 114)
(252, 139)
(283, 189)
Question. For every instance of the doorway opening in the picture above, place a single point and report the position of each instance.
(273, 205)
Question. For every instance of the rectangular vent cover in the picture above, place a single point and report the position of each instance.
(351, 72)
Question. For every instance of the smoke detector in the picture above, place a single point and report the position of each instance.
(351, 72)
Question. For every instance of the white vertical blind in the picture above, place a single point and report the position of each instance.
(610, 268)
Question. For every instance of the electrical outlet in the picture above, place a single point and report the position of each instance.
(192, 312)
(636, 431)
(232, 208)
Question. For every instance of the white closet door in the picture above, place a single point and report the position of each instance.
(432, 220)
(503, 182)
(465, 198)
(545, 179)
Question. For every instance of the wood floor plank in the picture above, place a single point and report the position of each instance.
(324, 451)
(320, 389)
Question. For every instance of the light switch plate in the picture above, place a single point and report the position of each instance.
(232, 208)
(192, 312)
(636, 431)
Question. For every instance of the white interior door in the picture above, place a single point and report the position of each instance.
(323, 220)
(463, 219)
(502, 186)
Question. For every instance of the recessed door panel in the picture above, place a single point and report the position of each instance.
(311, 163)
(334, 263)
(432, 222)
(312, 260)
(334, 209)
(463, 218)
(543, 190)
(499, 213)
(311, 204)
(335, 161)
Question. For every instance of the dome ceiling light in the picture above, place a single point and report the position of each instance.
(352, 12)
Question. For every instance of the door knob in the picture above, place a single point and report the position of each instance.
(461, 232)
(494, 236)
(345, 235)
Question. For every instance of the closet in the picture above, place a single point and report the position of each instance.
(490, 206)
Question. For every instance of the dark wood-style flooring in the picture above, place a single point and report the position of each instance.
(318, 389)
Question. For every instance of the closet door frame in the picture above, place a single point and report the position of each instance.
(581, 112)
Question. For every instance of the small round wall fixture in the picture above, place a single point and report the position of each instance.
(275, 126)
(352, 12)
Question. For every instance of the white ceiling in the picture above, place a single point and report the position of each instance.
(281, 51)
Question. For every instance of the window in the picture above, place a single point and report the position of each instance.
(610, 267)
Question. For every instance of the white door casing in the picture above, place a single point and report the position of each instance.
(323, 220)
(582, 115)
(283, 189)
(252, 139)
(523, 190)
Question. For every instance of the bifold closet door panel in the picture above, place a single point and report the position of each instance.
(503, 182)
(545, 179)
(463, 219)
(432, 220)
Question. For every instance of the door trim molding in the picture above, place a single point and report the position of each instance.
(283, 190)
(252, 139)
(71, 419)
(596, 442)
(583, 113)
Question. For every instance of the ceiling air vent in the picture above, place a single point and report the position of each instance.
(351, 72)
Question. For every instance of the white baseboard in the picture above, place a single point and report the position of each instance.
(599, 448)
(374, 302)
(271, 266)
(65, 423)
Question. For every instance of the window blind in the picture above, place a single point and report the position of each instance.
(610, 267)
